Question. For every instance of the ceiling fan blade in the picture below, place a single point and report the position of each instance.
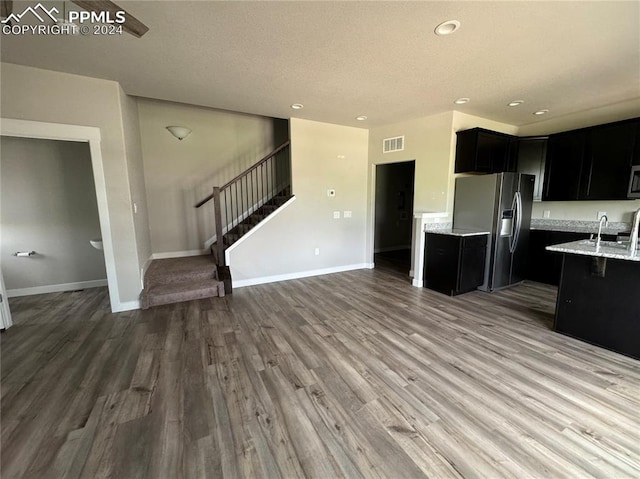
(6, 7)
(131, 24)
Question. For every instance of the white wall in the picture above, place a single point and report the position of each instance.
(324, 156)
(135, 169)
(49, 205)
(178, 174)
(42, 95)
(427, 140)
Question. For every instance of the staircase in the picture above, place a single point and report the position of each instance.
(255, 218)
(239, 206)
(175, 280)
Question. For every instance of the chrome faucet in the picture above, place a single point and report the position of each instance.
(633, 245)
(605, 220)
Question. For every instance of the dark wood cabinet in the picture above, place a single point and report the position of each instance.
(531, 154)
(483, 151)
(587, 164)
(546, 266)
(599, 302)
(592, 163)
(563, 168)
(609, 154)
(454, 264)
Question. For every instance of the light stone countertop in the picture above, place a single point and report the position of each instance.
(586, 248)
(574, 226)
(457, 232)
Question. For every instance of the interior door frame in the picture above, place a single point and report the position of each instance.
(85, 134)
(371, 226)
(5, 312)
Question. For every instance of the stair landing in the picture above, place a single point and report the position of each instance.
(174, 280)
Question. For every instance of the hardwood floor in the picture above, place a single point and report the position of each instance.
(355, 374)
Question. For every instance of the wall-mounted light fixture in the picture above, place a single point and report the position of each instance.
(180, 132)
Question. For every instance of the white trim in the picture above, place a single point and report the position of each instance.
(256, 228)
(178, 254)
(127, 306)
(144, 269)
(90, 134)
(369, 265)
(417, 283)
(301, 274)
(5, 312)
(56, 288)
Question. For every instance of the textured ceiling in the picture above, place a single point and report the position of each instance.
(380, 59)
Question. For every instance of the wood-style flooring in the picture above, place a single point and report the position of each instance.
(355, 374)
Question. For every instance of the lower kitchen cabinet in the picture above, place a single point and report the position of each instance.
(599, 302)
(454, 264)
(546, 266)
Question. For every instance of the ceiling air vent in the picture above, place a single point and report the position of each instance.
(393, 144)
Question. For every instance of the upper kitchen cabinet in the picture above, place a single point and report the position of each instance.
(607, 164)
(563, 168)
(483, 151)
(531, 153)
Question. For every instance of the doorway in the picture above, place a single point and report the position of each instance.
(49, 217)
(394, 191)
(84, 134)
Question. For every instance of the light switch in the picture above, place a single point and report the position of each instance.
(347, 214)
(336, 215)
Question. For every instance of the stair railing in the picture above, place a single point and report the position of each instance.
(245, 194)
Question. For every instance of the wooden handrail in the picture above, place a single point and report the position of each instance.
(246, 172)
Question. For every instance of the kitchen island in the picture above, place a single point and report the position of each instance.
(599, 295)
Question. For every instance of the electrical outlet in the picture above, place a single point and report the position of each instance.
(601, 214)
(336, 215)
(331, 193)
(316, 251)
(347, 214)
(546, 214)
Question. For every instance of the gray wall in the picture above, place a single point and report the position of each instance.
(47, 96)
(48, 202)
(323, 157)
(178, 174)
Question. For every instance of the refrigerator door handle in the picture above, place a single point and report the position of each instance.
(517, 199)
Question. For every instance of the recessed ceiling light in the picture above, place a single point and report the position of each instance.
(540, 112)
(447, 28)
(461, 101)
(361, 118)
(297, 106)
(516, 102)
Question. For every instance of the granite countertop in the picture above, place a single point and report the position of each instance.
(457, 232)
(574, 226)
(588, 248)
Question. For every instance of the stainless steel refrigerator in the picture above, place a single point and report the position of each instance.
(501, 204)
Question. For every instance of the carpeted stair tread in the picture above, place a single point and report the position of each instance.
(177, 270)
(160, 294)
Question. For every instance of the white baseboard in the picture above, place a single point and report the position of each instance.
(179, 254)
(301, 274)
(417, 284)
(56, 288)
(126, 306)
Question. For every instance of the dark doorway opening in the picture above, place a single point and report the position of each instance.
(394, 215)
